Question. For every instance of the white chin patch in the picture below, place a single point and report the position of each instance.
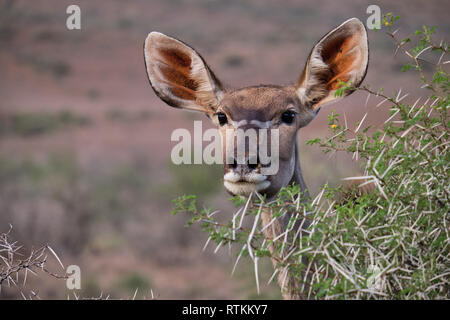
(245, 188)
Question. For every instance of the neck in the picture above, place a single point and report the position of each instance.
(297, 176)
(288, 284)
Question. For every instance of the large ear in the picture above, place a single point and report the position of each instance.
(341, 55)
(179, 75)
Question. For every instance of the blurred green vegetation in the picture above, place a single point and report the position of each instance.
(43, 64)
(35, 123)
(86, 197)
(132, 281)
(89, 287)
(203, 180)
(121, 115)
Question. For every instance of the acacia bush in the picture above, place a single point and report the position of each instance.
(16, 265)
(388, 242)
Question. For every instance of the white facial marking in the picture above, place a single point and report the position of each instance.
(262, 124)
(249, 177)
(238, 124)
(245, 188)
(257, 123)
(244, 185)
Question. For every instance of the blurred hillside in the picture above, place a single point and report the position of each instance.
(85, 143)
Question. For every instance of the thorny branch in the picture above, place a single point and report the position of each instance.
(14, 268)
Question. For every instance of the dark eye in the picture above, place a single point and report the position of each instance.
(288, 117)
(222, 118)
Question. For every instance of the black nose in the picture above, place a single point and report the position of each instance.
(251, 164)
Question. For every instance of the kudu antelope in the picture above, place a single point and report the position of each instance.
(182, 79)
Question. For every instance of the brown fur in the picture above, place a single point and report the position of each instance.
(180, 76)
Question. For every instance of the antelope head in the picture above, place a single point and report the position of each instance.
(182, 79)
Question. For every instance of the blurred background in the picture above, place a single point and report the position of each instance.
(85, 143)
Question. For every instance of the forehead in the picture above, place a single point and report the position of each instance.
(260, 103)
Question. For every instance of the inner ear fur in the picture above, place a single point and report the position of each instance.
(179, 75)
(341, 55)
